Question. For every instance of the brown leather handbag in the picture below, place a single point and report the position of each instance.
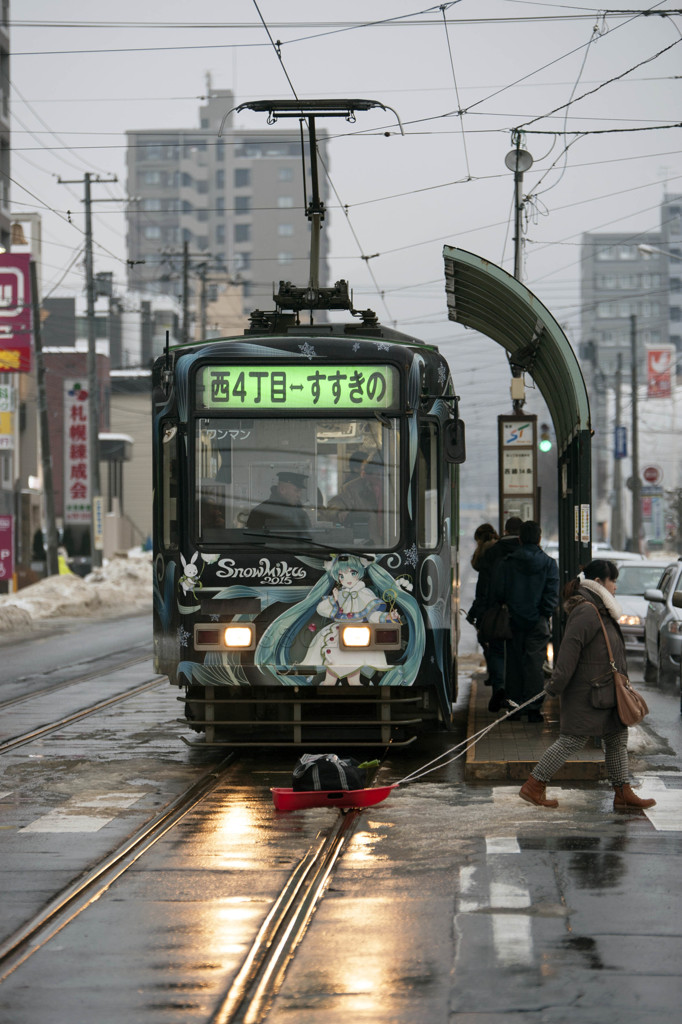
(630, 704)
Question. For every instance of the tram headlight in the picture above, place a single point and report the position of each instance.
(238, 637)
(356, 636)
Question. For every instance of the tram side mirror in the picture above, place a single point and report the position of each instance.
(454, 442)
(677, 599)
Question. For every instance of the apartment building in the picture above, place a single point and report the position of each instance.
(234, 198)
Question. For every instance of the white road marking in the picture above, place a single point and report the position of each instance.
(69, 819)
(512, 935)
(502, 844)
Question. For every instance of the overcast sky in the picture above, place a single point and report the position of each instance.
(461, 79)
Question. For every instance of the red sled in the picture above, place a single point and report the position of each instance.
(296, 800)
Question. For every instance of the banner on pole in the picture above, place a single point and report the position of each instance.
(15, 312)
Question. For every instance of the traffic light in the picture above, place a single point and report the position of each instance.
(545, 442)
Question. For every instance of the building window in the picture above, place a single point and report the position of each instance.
(220, 233)
(242, 261)
(220, 178)
(286, 230)
(242, 204)
(202, 187)
(284, 202)
(151, 205)
(220, 151)
(242, 232)
(284, 257)
(285, 174)
(152, 232)
(220, 205)
(151, 177)
(242, 177)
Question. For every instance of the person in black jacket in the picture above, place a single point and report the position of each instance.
(494, 649)
(528, 583)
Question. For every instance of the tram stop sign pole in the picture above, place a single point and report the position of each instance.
(518, 469)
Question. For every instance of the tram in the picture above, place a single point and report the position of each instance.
(305, 525)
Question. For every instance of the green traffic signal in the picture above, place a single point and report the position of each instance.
(545, 442)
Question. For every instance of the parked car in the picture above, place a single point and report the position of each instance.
(663, 627)
(634, 577)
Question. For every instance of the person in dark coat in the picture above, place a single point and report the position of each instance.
(494, 649)
(582, 661)
(528, 583)
(282, 511)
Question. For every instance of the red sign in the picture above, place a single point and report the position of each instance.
(15, 313)
(660, 362)
(652, 474)
(6, 547)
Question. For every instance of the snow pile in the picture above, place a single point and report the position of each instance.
(123, 586)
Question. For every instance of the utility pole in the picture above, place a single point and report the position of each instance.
(518, 160)
(93, 384)
(617, 516)
(52, 564)
(185, 292)
(636, 482)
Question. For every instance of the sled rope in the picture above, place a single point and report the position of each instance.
(467, 744)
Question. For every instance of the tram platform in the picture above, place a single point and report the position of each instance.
(510, 750)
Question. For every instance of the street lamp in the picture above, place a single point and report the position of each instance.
(648, 250)
(518, 160)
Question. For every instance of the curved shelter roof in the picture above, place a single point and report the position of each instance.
(486, 298)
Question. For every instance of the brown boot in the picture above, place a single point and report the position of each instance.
(625, 799)
(534, 792)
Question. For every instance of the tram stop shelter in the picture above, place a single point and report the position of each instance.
(485, 298)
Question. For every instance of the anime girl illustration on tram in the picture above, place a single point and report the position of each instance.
(352, 590)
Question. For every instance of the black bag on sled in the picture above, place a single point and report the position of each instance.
(327, 771)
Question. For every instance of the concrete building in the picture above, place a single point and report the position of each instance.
(625, 276)
(235, 200)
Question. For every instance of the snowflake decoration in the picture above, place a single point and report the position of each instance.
(442, 374)
(215, 617)
(383, 346)
(183, 636)
(410, 555)
(356, 346)
(307, 350)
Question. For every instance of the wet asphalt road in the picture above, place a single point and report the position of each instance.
(452, 902)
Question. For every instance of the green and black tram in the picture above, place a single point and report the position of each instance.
(304, 563)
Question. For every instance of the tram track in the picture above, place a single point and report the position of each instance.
(250, 996)
(74, 681)
(75, 898)
(44, 730)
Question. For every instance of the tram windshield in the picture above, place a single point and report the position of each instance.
(281, 481)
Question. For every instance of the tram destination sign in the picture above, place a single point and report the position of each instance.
(287, 387)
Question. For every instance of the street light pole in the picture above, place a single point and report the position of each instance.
(617, 515)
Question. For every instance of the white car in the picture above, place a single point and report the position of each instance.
(636, 575)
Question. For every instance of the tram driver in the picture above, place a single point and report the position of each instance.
(282, 511)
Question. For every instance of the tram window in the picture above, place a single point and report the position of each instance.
(428, 504)
(345, 472)
(169, 484)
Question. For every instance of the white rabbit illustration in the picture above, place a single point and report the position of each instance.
(190, 577)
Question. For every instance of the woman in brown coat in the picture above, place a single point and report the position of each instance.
(582, 663)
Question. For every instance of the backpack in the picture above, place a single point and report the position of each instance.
(327, 772)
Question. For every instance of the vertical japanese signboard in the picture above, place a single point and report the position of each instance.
(6, 547)
(660, 362)
(76, 469)
(15, 313)
(517, 466)
(6, 411)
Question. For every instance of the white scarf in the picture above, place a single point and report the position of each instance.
(612, 606)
